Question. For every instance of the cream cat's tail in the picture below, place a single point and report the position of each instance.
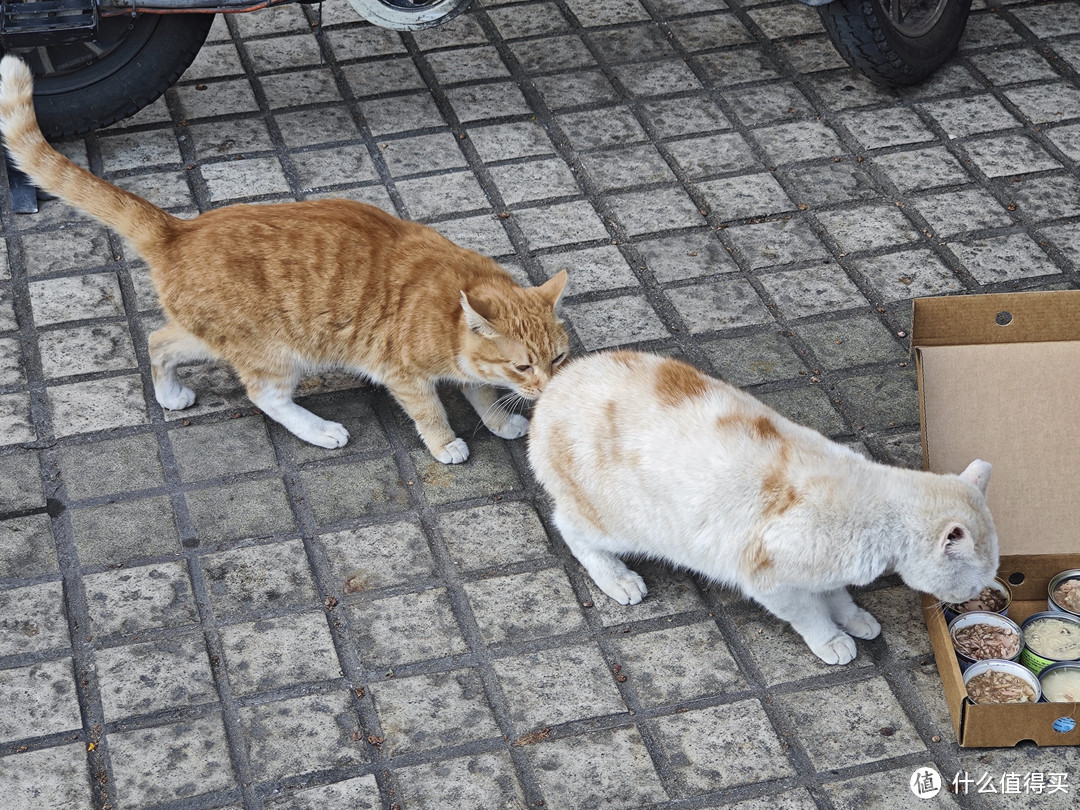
(130, 215)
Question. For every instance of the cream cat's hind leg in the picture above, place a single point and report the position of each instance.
(275, 400)
(608, 571)
(486, 400)
(850, 616)
(170, 346)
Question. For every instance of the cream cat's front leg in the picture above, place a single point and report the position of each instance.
(485, 399)
(810, 615)
(421, 402)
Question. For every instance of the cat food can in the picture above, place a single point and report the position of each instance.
(995, 597)
(979, 634)
(1014, 690)
(1063, 593)
(1049, 637)
(1061, 682)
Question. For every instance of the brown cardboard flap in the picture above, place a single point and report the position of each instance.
(1030, 317)
(1016, 406)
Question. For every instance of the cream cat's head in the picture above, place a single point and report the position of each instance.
(515, 339)
(956, 555)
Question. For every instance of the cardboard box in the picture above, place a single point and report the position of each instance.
(999, 379)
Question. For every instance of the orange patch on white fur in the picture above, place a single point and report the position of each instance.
(676, 382)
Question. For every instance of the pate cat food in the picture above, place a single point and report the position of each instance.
(1061, 683)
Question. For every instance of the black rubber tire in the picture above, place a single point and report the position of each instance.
(141, 57)
(886, 53)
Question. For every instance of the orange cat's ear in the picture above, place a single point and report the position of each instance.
(477, 322)
(552, 289)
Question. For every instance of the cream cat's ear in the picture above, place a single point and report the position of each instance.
(957, 541)
(978, 474)
(552, 289)
(475, 321)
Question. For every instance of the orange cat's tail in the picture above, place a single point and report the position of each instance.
(128, 214)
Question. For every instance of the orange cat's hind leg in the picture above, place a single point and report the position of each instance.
(170, 346)
(273, 396)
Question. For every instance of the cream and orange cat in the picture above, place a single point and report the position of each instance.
(646, 456)
(281, 290)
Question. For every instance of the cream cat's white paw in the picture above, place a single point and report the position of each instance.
(626, 588)
(838, 650)
(514, 427)
(863, 625)
(176, 398)
(454, 453)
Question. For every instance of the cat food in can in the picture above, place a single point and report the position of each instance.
(1061, 682)
(995, 598)
(1001, 682)
(1049, 637)
(978, 635)
(1063, 593)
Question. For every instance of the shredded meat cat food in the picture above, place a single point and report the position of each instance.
(989, 599)
(982, 641)
(1000, 687)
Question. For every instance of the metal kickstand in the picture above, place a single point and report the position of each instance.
(23, 193)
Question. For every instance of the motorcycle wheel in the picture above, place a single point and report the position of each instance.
(408, 15)
(895, 42)
(130, 63)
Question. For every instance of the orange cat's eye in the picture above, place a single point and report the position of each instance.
(523, 368)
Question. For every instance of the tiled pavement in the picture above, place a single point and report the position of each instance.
(197, 611)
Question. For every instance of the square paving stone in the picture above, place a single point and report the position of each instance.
(734, 66)
(1046, 103)
(249, 177)
(1067, 239)
(721, 153)
(899, 610)
(591, 269)
(623, 167)
(868, 227)
(467, 64)
(310, 127)
(632, 43)
(1004, 258)
(582, 88)
(534, 180)
(332, 167)
(657, 79)
(960, 117)
(154, 676)
(670, 118)
(551, 54)
(754, 359)
(954, 212)
(479, 102)
(516, 528)
(484, 781)
(115, 465)
(845, 724)
(807, 140)
(1046, 197)
(275, 653)
(708, 31)
(383, 76)
(851, 342)
(678, 664)
(908, 274)
(556, 686)
(166, 763)
(830, 183)
(878, 129)
(509, 141)
(423, 153)
(769, 244)
(1004, 155)
(123, 531)
(38, 700)
(532, 20)
(688, 255)
(249, 509)
(615, 322)
(259, 577)
(812, 290)
(607, 127)
(33, 619)
(405, 629)
(560, 224)
(921, 169)
(302, 735)
(780, 653)
(607, 12)
(27, 547)
(769, 103)
(401, 113)
(299, 87)
(50, 777)
(753, 195)
(719, 305)
(485, 234)
(12, 372)
(130, 600)
(358, 793)
(85, 350)
(808, 406)
(1011, 777)
(97, 405)
(155, 147)
(57, 300)
(660, 209)
(216, 450)
(866, 791)
(450, 193)
(20, 483)
(797, 799)
(670, 592)
(72, 247)
(525, 606)
(881, 400)
(751, 751)
(606, 769)
(377, 556)
(217, 98)
(353, 408)
(230, 137)
(426, 712)
(488, 471)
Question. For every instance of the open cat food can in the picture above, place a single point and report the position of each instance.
(1063, 593)
(1061, 682)
(1001, 682)
(995, 598)
(979, 634)
(1049, 637)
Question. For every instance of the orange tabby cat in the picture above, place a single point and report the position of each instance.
(281, 290)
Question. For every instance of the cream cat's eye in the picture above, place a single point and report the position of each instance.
(558, 359)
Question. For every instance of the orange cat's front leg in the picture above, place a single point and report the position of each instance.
(421, 402)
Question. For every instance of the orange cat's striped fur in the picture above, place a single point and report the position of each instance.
(280, 290)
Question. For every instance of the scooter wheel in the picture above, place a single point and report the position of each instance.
(408, 15)
(130, 63)
(895, 42)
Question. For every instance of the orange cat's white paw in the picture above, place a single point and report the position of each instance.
(454, 453)
(863, 625)
(514, 427)
(176, 398)
(839, 650)
(626, 588)
(327, 434)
